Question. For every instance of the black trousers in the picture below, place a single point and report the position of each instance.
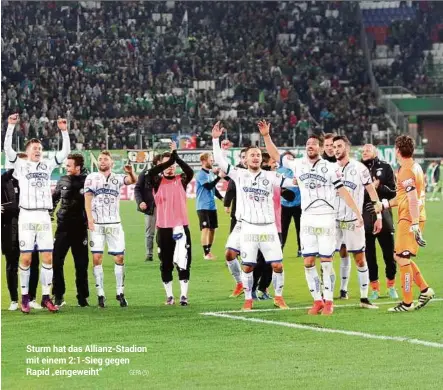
(77, 241)
(262, 274)
(166, 246)
(386, 241)
(287, 214)
(11, 250)
(233, 223)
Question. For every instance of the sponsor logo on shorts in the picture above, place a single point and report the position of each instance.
(36, 227)
(108, 230)
(346, 225)
(204, 223)
(22, 244)
(259, 237)
(243, 255)
(91, 243)
(318, 231)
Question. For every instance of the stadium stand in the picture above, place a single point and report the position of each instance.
(130, 73)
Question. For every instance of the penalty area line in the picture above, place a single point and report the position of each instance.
(304, 308)
(329, 330)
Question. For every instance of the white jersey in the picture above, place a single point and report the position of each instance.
(318, 184)
(355, 176)
(106, 196)
(254, 194)
(34, 180)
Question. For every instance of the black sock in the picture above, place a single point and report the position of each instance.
(206, 249)
(209, 247)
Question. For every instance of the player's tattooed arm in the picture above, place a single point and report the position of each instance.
(10, 153)
(265, 128)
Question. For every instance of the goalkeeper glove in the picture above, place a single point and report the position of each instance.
(415, 229)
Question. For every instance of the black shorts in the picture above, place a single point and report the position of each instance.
(208, 219)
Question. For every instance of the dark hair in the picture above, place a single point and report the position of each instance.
(405, 145)
(318, 138)
(289, 153)
(156, 159)
(243, 151)
(79, 161)
(265, 158)
(32, 141)
(166, 154)
(342, 138)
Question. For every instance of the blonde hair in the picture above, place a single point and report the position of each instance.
(204, 156)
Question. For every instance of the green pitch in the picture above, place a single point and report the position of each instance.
(185, 349)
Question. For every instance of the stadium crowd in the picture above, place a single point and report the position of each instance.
(120, 72)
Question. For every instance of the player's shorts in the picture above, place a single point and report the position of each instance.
(111, 234)
(317, 235)
(405, 244)
(265, 238)
(208, 219)
(35, 231)
(352, 237)
(233, 242)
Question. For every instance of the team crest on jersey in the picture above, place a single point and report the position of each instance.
(114, 181)
(378, 173)
(82, 191)
(265, 182)
(42, 167)
(353, 172)
(324, 169)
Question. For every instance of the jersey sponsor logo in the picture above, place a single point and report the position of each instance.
(37, 175)
(106, 191)
(350, 184)
(314, 176)
(312, 185)
(256, 191)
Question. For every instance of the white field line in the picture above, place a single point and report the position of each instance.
(303, 308)
(328, 330)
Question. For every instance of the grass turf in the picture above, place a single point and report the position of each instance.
(188, 350)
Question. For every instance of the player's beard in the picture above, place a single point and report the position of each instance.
(313, 155)
(104, 168)
(341, 156)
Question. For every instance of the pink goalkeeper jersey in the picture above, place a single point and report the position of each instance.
(277, 207)
(170, 201)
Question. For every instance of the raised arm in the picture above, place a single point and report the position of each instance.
(188, 172)
(159, 168)
(264, 128)
(10, 153)
(130, 177)
(61, 155)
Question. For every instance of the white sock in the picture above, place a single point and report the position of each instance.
(345, 272)
(333, 279)
(24, 274)
(235, 270)
(278, 281)
(119, 271)
(313, 282)
(248, 281)
(184, 284)
(99, 276)
(168, 289)
(327, 281)
(46, 278)
(363, 279)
